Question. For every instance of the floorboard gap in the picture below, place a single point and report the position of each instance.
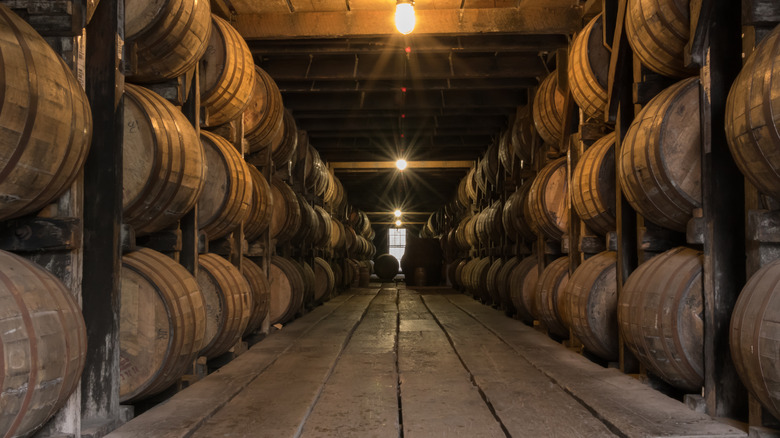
(397, 368)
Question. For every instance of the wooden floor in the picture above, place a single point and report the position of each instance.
(387, 362)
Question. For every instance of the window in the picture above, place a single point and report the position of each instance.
(396, 237)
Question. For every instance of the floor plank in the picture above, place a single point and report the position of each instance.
(360, 399)
(190, 408)
(528, 403)
(437, 396)
(635, 409)
(277, 403)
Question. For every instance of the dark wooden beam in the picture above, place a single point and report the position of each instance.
(302, 85)
(380, 100)
(525, 19)
(410, 122)
(410, 112)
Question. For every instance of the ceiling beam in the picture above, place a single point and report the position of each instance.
(524, 19)
(379, 165)
(410, 112)
(412, 99)
(320, 85)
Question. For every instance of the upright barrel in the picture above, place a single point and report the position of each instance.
(227, 195)
(754, 336)
(658, 31)
(548, 110)
(547, 208)
(228, 303)
(44, 342)
(161, 323)
(549, 290)
(262, 206)
(261, 293)
(45, 119)
(752, 117)
(593, 185)
(660, 317)
(659, 166)
(590, 305)
(164, 164)
(589, 69)
(227, 75)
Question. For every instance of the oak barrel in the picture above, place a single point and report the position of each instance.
(658, 31)
(547, 207)
(593, 185)
(162, 323)
(489, 226)
(228, 301)
(262, 206)
(752, 118)
(549, 290)
(522, 281)
(324, 228)
(45, 119)
(166, 37)
(660, 317)
(590, 305)
(44, 343)
(287, 289)
(589, 69)
(263, 118)
(386, 267)
(513, 214)
(754, 336)
(325, 282)
(286, 214)
(338, 240)
(491, 283)
(523, 134)
(475, 277)
(164, 164)
(307, 229)
(548, 110)
(503, 285)
(285, 151)
(227, 75)
(226, 198)
(261, 293)
(659, 166)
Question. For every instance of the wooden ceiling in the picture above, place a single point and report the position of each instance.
(363, 92)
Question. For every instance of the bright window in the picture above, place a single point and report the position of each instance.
(396, 237)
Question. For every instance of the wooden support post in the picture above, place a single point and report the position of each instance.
(103, 218)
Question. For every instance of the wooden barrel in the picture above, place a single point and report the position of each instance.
(285, 151)
(593, 185)
(589, 69)
(504, 287)
(334, 195)
(162, 323)
(261, 294)
(470, 232)
(286, 214)
(471, 185)
(226, 198)
(459, 277)
(263, 117)
(316, 172)
(338, 240)
(323, 227)
(45, 119)
(590, 305)
(513, 215)
(44, 339)
(309, 278)
(166, 38)
(479, 276)
(338, 275)
(522, 280)
(491, 227)
(523, 134)
(164, 164)
(491, 283)
(461, 242)
(227, 75)
(547, 208)
(658, 31)
(228, 302)
(549, 290)
(753, 337)
(548, 110)
(307, 229)
(352, 272)
(752, 121)
(659, 166)
(325, 282)
(660, 317)
(262, 206)
(287, 289)
(506, 153)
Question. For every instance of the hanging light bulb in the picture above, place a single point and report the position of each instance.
(397, 213)
(401, 164)
(398, 223)
(404, 16)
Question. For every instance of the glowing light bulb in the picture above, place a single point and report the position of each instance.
(397, 213)
(398, 223)
(401, 164)
(404, 16)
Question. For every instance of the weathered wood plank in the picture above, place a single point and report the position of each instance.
(277, 403)
(528, 406)
(190, 408)
(437, 396)
(36, 234)
(360, 397)
(621, 401)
